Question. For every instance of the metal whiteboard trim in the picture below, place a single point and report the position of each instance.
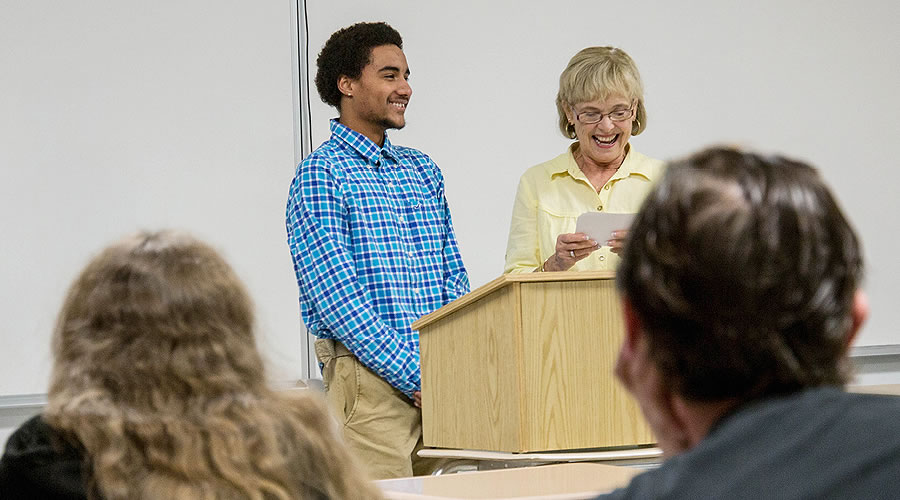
(302, 141)
(873, 351)
(23, 401)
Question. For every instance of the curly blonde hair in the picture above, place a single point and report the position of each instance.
(158, 380)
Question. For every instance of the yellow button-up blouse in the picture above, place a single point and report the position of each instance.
(553, 194)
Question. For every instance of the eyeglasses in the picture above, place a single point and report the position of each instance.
(616, 115)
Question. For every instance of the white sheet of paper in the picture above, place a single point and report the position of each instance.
(599, 226)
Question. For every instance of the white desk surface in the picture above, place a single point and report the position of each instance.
(891, 389)
(575, 480)
(550, 456)
(570, 481)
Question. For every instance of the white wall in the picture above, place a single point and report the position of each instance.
(118, 116)
(816, 80)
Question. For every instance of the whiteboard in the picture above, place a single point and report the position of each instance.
(118, 116)
(125, 115)
(816, 80)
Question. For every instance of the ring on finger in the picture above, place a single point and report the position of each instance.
(572, 253)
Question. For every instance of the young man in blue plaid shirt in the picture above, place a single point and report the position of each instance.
(373, 247)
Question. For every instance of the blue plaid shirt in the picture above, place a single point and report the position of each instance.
(374, 249)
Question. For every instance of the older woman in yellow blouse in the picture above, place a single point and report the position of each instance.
(601, 105)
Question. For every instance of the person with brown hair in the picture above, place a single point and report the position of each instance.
(158, 391)
(742, 290)
(374, 249)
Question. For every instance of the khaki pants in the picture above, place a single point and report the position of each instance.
(381, 425)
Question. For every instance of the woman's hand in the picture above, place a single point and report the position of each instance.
(570, 248)
(617, 242)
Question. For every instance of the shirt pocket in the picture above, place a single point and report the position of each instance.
(426, 224)
(551, 222)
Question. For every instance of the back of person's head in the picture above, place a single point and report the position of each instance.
(157, 378)
(347, 52)
(743, 271)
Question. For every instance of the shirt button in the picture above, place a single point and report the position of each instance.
(602, 258)
(606, 187)
(600, 207)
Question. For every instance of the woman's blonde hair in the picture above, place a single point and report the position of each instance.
(596, 73)
(158, 379)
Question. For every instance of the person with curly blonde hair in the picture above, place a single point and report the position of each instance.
(158, 391)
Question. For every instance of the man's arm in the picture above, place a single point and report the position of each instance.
(319, 239)
(456, 280)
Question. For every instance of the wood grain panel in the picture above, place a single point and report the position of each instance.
(470, 387)
(526, 364)
(571, 334)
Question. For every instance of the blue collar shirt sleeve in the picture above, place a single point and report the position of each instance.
(374, 249)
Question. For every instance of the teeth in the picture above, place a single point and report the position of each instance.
(609, 138)
(401, 105)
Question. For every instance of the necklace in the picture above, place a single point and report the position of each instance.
(579, 160)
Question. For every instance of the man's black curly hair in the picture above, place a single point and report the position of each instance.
(346, 53)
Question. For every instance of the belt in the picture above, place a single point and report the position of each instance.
(330, 348)
(340, 349)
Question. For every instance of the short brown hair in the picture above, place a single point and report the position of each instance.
(743, 271)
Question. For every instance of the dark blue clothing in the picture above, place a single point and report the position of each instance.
(38, 463)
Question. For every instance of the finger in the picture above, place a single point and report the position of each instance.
(572, 238)
(616, 245)
(583, 252)
(618, 237)
(589, 245)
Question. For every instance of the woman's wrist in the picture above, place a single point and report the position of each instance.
(548, 264)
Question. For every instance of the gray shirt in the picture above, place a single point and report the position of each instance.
(819, 443)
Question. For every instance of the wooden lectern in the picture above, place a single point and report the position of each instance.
(525, 363)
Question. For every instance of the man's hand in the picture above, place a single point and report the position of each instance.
(417, 399)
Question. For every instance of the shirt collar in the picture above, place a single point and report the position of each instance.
(631, 166)
(362, 144)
